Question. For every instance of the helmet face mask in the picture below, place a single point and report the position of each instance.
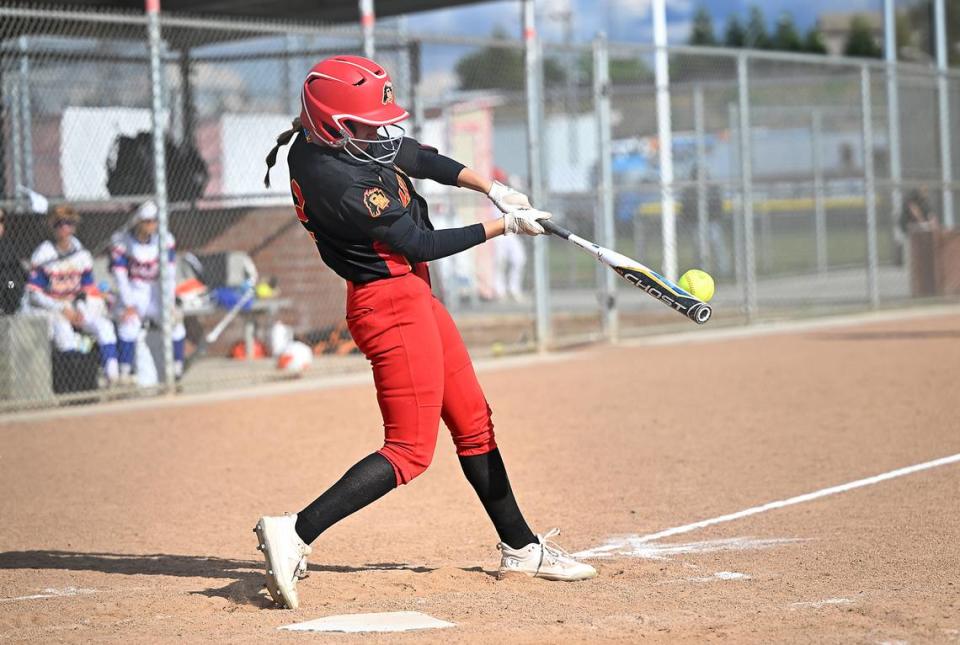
(388, 140)
(343, 90)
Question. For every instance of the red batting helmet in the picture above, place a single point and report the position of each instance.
(342, 89)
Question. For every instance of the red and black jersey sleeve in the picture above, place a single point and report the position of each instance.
(367, 220)
(379, 212)
(423, 162)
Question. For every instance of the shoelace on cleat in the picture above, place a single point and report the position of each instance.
(549, 550)
(548, 547)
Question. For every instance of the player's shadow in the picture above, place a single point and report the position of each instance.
(246, 576)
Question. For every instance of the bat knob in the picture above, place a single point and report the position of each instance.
(700, 313)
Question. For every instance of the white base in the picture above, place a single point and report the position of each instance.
(395, 621)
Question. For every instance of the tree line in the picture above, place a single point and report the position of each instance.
(914, 34)
(496, 67)
(754, 34)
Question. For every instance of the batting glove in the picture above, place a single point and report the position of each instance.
(524, 221)
(507, 199)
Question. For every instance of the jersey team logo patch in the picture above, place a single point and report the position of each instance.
(376, 201)
(387, 93)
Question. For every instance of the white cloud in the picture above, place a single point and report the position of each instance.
(641, 9)
(475, 20)
(630, 9)
(621, 19)
(547, 7)
(434, 85)
(679, 31)
(632, 20)
(551, 15)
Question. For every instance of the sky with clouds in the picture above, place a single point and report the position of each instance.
(622, 20)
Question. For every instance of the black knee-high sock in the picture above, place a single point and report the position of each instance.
(488, 476)
(367, 481)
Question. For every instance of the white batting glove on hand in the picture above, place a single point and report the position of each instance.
(507, 199)
(524, 221)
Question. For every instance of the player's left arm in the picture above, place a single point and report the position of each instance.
(423, 162)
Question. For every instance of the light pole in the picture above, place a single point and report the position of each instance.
(665, 138)
(367, 21)
(893, 108)
(943, 92)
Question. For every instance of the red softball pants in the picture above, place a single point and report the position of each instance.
(421, 369)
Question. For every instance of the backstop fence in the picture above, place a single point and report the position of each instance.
(803, 184)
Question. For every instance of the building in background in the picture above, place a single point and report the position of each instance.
(835, 28)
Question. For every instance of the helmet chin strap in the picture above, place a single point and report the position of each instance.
(390, 142)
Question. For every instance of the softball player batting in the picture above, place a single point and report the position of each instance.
(135, 264)
(350, 177)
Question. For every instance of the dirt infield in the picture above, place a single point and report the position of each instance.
(135, 526)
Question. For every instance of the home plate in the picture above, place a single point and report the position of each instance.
(393, 621)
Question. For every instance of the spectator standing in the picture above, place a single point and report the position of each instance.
(916, 214)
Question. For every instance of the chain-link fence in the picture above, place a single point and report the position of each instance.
(472, 106)
(801, 184)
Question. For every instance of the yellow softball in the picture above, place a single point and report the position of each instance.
(697, 283)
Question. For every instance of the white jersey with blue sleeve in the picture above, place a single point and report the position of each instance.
(56, 280)
(58, 277)
(136, 267)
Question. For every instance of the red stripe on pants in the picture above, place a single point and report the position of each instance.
(421, 369)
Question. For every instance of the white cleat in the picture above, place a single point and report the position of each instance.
(542, 559)
(286, 556)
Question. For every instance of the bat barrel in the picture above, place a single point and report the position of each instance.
(638, 275)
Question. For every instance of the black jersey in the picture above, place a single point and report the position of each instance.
(366, 219)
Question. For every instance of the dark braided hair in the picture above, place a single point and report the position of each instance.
(282, 139)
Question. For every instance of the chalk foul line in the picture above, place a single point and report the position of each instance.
(53, 593)
(616, 546)
(634, 546)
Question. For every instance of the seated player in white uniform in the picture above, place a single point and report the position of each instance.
(135, 264)
(61, 285)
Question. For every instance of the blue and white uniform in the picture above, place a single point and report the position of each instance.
(57, 281)
(135, 265)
